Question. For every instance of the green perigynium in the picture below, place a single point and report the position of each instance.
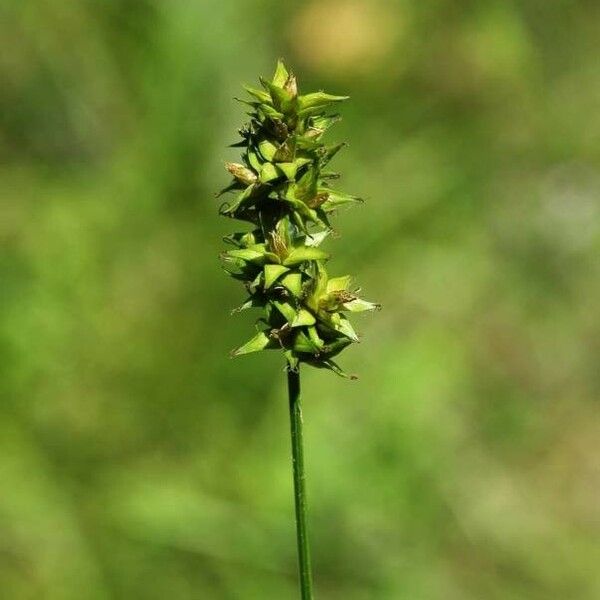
(284, 191)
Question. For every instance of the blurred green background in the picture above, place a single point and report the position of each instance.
(138, 461)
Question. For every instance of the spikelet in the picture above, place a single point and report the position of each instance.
(283, 192)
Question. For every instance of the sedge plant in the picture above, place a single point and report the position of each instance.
(284, 192)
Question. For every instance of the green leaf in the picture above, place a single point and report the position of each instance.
(303, 253)
(272, 273)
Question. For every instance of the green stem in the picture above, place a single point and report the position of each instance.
(299, 484)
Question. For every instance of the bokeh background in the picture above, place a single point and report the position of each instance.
(138, 461)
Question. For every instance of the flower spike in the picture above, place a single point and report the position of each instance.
(281, 189)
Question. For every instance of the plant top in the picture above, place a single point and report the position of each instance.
(284, 191)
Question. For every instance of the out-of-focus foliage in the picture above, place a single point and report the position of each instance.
(138, 461)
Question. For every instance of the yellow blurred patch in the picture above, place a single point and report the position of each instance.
(345, 37)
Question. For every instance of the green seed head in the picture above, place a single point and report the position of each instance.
(284, 193)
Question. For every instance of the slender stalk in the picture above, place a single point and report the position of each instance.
(306, 586)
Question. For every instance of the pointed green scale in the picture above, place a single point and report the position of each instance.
(336, 199)
(268, 172)
(333, 348)
(281, 74)
(319, 286)
(303, 213)
(268, 111)
(242, 199)
(329, 152)
(332, 366)
(337, 284)
(286, 309)
(286, 151)
(308, 143)
(284, 229)
(318, 99)
(260, 95)
(272, 273)
(359, 305)
(291, 358)
(243, 239)
(344, 327)
(253, 160)
(289, 169)
(282, 100)
(254, 285)
(293, 283)
(252, 302)
(324, 122)
(315, 239)
(303, 344)
(247, 254)
(314, 337)
(302, 161)
(261, 341)
(304, 253)
(234, 185)
(303, 317)
(306, 188)
(267, 149)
